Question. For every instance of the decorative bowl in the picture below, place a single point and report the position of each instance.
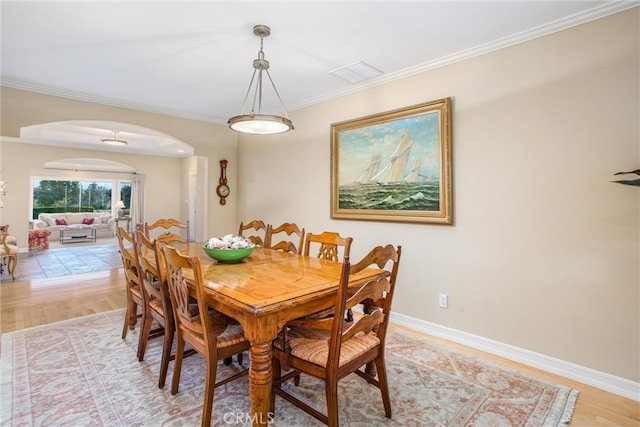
(228, 256)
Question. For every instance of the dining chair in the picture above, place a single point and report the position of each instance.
(332, 348)
(329, 244)
(208, 334)
(290, 230)
(156, 300)
(168, 239)
(8, 251)
(166, 224)
(126, 243)
(258, 228)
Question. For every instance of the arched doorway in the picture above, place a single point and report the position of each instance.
(90, 134)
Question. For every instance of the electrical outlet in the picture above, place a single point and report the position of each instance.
(443, 301)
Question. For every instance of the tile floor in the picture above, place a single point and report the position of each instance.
(67, 260)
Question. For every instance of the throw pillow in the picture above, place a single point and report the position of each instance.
(49, 220)
(87, 221)
(61, 221)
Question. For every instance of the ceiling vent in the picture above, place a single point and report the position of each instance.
(356, 73)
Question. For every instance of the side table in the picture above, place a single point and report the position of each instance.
(123, 218)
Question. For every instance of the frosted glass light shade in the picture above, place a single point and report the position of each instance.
(260, 124)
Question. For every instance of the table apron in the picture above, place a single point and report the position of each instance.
(263, 327)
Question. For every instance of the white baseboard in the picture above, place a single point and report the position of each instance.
(601, 380)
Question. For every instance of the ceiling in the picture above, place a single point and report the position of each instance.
(194, 59)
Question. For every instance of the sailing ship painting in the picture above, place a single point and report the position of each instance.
(395, 177)
(391, 167)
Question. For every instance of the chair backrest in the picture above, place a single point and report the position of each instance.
(160, 242)
(9, 245)
(291, 230)
(153, 288)
(4, 233)
(166, 224)
(169, 238)
(199, 328)
(258, 235)
(383, 257)
(380, 256)
(329, 244)
(127, 244)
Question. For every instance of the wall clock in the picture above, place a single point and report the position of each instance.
(223, 189)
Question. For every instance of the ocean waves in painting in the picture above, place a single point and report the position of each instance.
(421, 196)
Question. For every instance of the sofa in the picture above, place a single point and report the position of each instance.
(104, 223)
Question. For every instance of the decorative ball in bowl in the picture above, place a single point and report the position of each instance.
(228, 249)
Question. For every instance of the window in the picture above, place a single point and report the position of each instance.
(52, 194)
(125, 196)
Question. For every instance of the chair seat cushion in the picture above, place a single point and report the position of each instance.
(156, 305)
(233, 334)
(312, 345)
(227, 331)
(135, 290)
(12, 250)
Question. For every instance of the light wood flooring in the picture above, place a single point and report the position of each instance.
(41, 301)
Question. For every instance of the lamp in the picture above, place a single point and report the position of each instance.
(256, 122)
(114, 140)
(120, 207)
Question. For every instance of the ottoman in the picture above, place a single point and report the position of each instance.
(39, 238)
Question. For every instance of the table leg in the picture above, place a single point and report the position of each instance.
(260, 378)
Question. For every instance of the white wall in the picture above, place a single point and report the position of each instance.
(544, 251)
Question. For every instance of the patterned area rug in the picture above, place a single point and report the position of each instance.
(80, 372)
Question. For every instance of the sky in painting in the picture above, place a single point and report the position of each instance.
(358, 146)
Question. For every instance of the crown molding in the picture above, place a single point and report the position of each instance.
(46, 90)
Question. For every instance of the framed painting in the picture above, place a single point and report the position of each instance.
(394, 166)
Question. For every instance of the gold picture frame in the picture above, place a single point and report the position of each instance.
(394, 166)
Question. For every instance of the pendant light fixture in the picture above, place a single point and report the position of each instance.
(255, 122)
(114, 140)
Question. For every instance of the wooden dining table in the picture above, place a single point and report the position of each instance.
(263, 292)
